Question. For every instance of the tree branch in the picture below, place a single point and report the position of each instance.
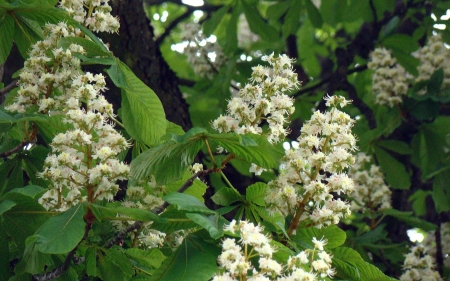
(15, 149)
(122, 234)
(9, 87)
(60, 270)
(172, 25)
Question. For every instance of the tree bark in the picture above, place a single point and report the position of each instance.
(135, 46)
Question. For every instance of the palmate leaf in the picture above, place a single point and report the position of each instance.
(7, 31)
(350, 266)
(197, 189)
(61, 233)
(252, 148)
(335, 236)
(168, 161)
(23, 219)
(142, 112)
(194, 260)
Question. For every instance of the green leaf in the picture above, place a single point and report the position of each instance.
(372, 236)
(151, 258)
(61, 233)
(105, 213)
(418, 200)
(108, 269)
(257, 23)
(225, 196)
(435, 82)
(429, 145)
(212, 223)
(91, 261)
(22, 220)
(197, 189)
(213, 22)
(91, 48)
(5, 267)
(402, 42)
(187, 203)
(194, 260)
(335, 236)
(33, 261)
(6, 205)
(252, 148)
(142, 112)
(256, 192)
(7, 31)
(410, 219)
(441, 192)
(118, 258)
(179, 221)
(168, 161)
(395, 146)
(350, 266)
(230, 42)
(291, 20)
(29, 190)
(313, 14)
(26, 33)
(395, 171)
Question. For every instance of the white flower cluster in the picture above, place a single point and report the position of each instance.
(370, 193)
(84, 164)
(262, 101)
(38, 82)
(432, 56)
(97, 17)
(316, 169)
(430, 243)
(199, 51)
(419, 266)
(311, 264)
(389, 80)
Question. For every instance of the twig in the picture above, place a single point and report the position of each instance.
(326, 80)
(9, 87)
(15, 149)
(173, 24)
(60, 270)
(121, 235)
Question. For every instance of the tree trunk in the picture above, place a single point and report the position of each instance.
(135, 46)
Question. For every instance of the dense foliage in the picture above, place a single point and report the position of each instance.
(321, 135)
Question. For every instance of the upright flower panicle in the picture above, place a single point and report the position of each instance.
(389, 80)
(311, 264)
(316, 169)
(83, 165)
(433, 56)
(262, 100)
(419, 266)
(371, 192)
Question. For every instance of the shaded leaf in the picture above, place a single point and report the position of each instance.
(61, 233)
(395, 171)
(410, 219)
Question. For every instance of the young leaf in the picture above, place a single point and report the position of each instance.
(61, 233)
(91, 261)
(105, 213)
(225, 196)
(187, 203)
(168, 161)
(212, 223)
(142, 112)
(256, 193)
(197, 189)
(395, 146)
(33, 261)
